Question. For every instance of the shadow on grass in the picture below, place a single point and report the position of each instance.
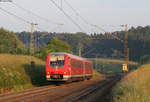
(37, 75)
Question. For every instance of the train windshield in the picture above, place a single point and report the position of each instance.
(57, 61)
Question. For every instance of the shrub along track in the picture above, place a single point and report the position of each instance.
(73, 92)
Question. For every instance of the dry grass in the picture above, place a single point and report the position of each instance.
(16, 72)
(135, 87)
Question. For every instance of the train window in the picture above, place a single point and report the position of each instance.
(57, 61)
(76, 64)
(88, 65)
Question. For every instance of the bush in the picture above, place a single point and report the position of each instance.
(9, 43)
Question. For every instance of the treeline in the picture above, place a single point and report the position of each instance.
(95, 45)
(98, 45)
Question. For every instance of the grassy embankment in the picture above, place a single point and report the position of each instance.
(135, 87)
(16, 72)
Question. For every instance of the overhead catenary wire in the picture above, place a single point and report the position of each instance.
(32, 38)
(17, 17)
(14, 15)
(56, 27)
(84, 20)
(98, 28)
(70, 18)
(34, 14)
(115, 37)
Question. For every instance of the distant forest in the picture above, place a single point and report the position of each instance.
(97, 45)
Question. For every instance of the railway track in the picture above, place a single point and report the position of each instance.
(87, 94)
(64, 93)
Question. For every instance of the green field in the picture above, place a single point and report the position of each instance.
(135, 87)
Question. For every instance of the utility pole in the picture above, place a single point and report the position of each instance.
(32, 40)
(126, 49)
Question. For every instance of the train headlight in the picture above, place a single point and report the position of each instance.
(48, 73)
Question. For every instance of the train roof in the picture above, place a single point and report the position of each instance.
(73, 56)
(59, 53)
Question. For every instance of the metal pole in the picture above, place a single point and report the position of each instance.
(32, 41)
(126, 43)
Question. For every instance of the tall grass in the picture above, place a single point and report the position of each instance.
(17, 73)
(135, 87)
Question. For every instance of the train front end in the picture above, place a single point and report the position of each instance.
(56, 67)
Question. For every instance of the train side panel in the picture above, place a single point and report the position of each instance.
(76, 69)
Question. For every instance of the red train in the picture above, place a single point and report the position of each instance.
(61, 66)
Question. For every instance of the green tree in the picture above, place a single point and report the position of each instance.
(9, 43)
(55, 45)
(58, 46)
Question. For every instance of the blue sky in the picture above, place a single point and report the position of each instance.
(103, 13)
